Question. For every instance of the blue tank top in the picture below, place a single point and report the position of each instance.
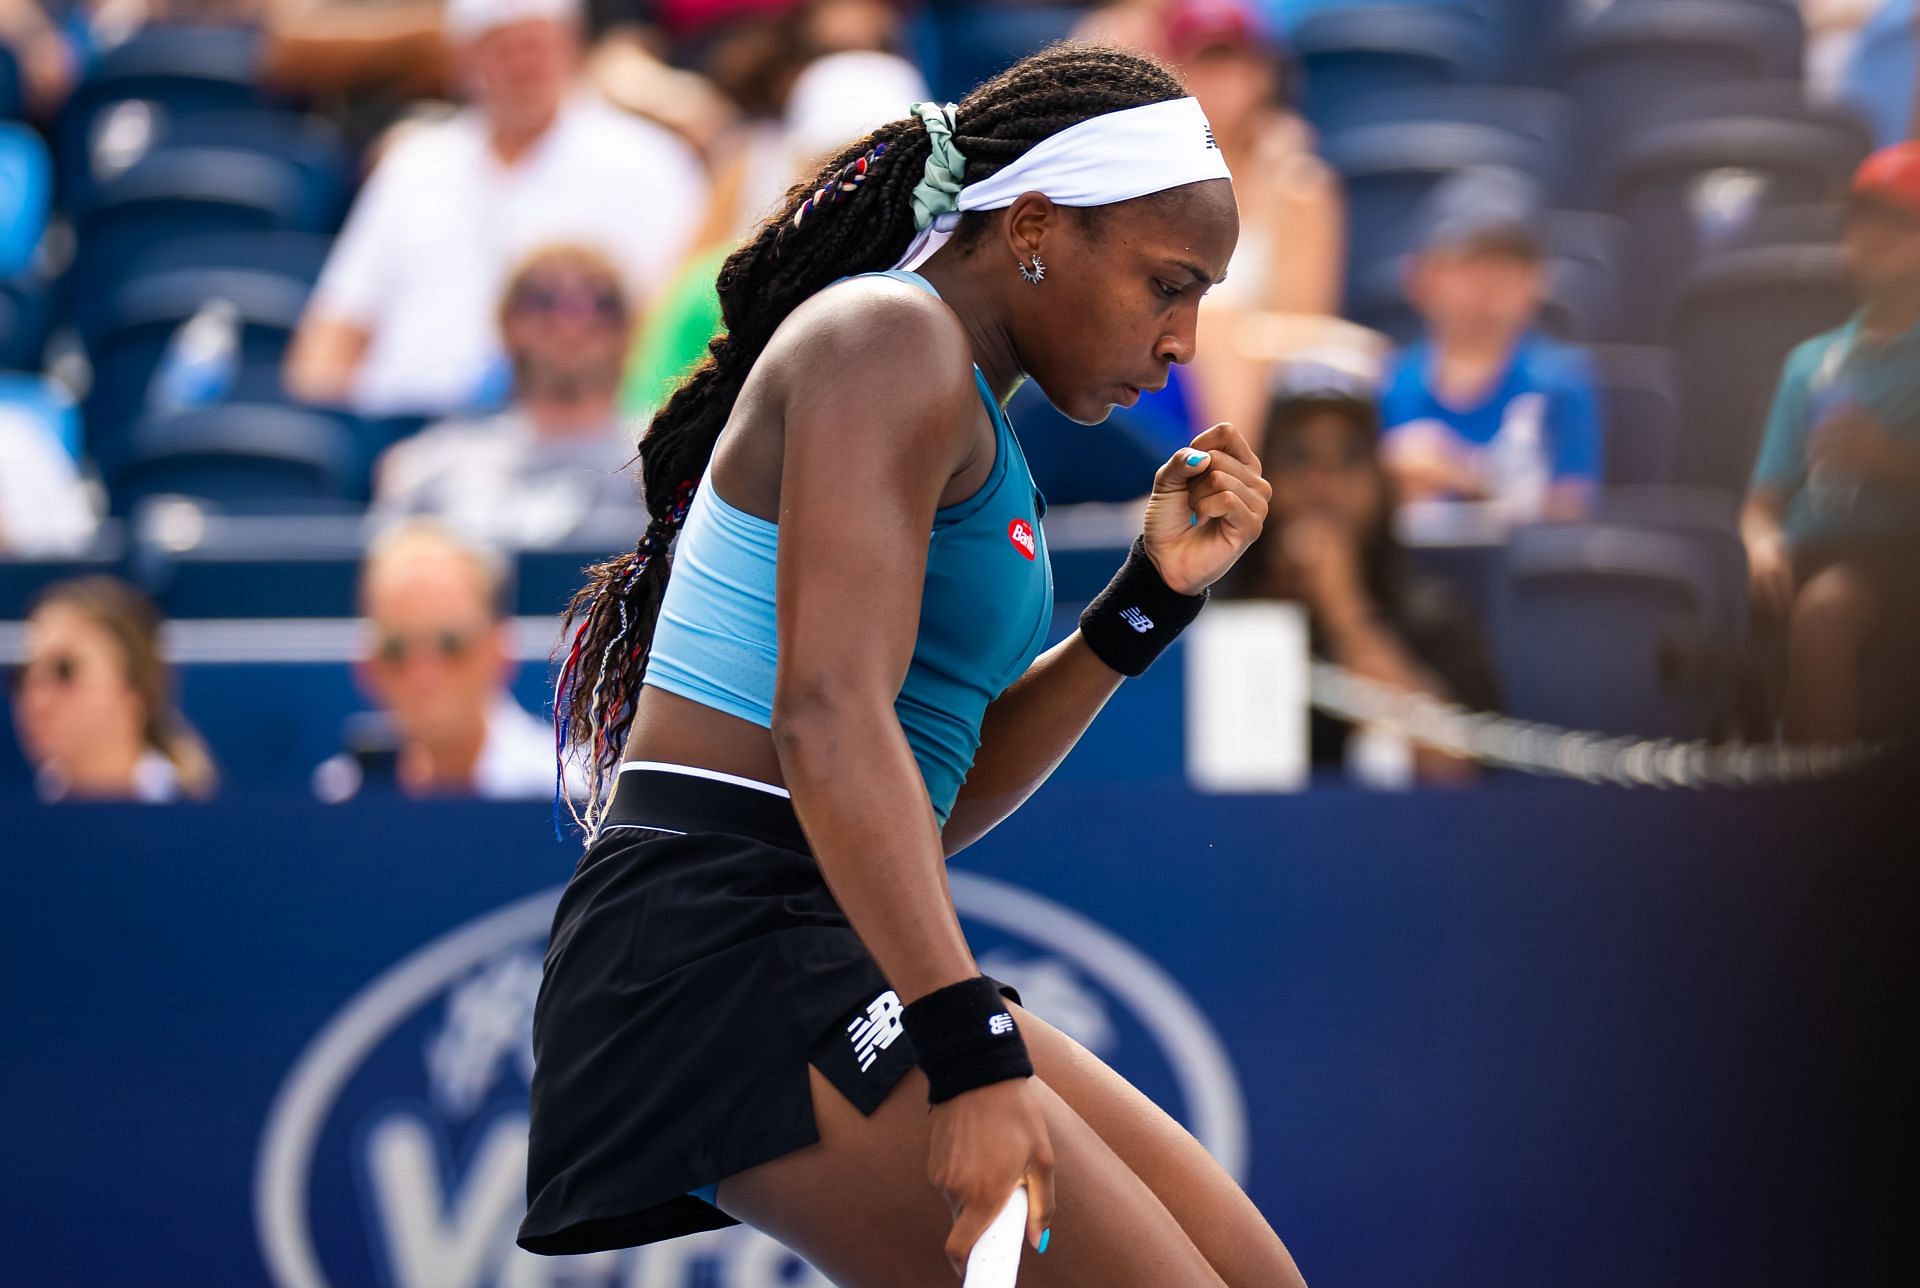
(984, 610)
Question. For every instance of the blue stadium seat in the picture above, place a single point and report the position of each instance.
(26, 196)
(1766, 100)
(1626, 63)
(1686, 189)
(1814, 223)
(293, 558)
(186, 193)
(1532, 32)
(1347, 55)
(1537, 114)
(12, 101)
(139, 317)
(1595, 620)
(1639, 391)
(961, 44)
(1707, 517)
(236, 453)
(130, 132)
(295, 256)
(1389, 170)
(22, 579)
(26, 315)
(182, 68)
(1738, 317)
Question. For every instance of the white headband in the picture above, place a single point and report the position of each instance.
(1114, 157)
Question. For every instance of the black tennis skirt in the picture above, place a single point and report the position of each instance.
(697, 966)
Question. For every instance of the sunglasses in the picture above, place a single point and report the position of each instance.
(59, 670)
(601, 302)
(447, 644)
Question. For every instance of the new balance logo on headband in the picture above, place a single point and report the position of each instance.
(1210, 139)
(1136, 619)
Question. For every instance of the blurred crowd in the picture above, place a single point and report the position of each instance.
(459, 249)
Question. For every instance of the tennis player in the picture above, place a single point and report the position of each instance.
(758, 1005)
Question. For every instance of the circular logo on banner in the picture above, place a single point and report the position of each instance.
(396, 1149)
(1020, 532)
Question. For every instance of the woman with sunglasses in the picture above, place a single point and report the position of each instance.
(1329, 546)
(93, 701)
(820, 673)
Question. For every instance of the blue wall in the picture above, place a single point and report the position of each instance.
(1527, 1035)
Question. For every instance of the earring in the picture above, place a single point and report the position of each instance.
(1035, 274)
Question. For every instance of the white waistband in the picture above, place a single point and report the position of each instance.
(694, 771)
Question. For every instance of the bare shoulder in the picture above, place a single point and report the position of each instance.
(890, 341)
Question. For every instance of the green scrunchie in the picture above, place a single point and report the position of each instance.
(939, 192)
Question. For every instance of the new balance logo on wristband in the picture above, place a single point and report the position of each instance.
(878, 1030)
(1136, 619)
(1000, 1025)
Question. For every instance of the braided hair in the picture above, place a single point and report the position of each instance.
(855, 216)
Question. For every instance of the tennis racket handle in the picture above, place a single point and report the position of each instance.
(995, 1258)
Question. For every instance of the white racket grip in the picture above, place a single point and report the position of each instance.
(995, 1259)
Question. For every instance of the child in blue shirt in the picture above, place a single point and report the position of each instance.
(1484, 407)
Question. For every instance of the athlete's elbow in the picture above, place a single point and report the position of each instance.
(816, 726)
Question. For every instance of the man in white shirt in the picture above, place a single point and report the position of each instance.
(437, 663)
(402, 319)
(45, 509)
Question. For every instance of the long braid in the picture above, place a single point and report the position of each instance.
(854, 216)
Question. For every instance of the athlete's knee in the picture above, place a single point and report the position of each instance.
(1835, 610)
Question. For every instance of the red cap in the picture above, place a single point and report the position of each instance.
(1194, 25)
(1891, 177)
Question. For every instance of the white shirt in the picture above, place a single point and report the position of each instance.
(442, 223)
(44, 506)
(499, 481)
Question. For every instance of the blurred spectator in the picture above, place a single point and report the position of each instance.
(402, 318)
(556, 458)
(358, 63)
(1292, 217)
(93, 701)
(1485, 407)
(1329, 546)
(835, 100)
(1832, 521)
(45, 507)
(48, 60)
(439, 657)
(1282, 290)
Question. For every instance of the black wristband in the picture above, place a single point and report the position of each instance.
(965, 1037)
(1137, 615)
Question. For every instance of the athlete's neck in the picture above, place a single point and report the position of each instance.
(961, 284)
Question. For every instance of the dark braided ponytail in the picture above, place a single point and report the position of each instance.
(855, 216)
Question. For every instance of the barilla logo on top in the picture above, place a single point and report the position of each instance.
(396, 1151)
(1020, 532)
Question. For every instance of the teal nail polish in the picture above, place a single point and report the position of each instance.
(1046, 1237)
(1196, 459)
